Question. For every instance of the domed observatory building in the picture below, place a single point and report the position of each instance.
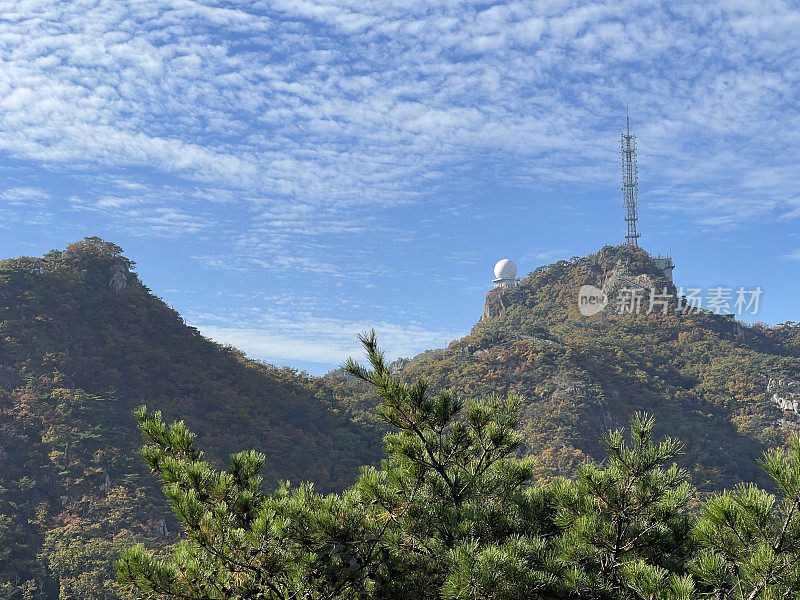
(505, 277)
(505, 273)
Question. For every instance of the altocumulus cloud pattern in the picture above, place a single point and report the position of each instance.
(288, 125)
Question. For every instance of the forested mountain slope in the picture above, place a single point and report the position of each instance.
(726, 389)
(82, 343)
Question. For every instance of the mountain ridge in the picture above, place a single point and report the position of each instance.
(709, 379)
(83, 342)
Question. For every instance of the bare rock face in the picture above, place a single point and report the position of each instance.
(119, 278)
(572, 389)
(620, 278)
(494, 306)
(785, 394)
(399, 364)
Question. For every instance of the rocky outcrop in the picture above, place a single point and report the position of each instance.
(119, 278)
(639, 286)
(785, 393)
(494, 306)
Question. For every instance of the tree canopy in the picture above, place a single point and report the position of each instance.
(452, 513)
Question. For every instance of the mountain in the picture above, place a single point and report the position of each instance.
(725, 388)
(82, 343)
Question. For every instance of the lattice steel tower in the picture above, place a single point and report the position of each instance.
(630, 183)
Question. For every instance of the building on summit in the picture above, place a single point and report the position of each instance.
(505, 271)
(665, 265)
(505, 277)
(505, 274)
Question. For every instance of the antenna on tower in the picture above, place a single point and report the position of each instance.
(630, 182)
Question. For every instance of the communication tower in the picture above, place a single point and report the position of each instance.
(630, 182)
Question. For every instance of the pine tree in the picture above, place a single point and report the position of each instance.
(242, 542)
(750, 539)
(451, 514)
(463, 520)
(447, 515)
(626, 528)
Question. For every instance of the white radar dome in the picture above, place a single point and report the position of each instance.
(505, 269)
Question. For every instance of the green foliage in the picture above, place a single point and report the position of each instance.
(751, 538)
(84, 542)
(82, 341)
(624, 518)
(66, 522)
(496, 498)
(707, 379)
(450, 487)
(650, 582)
(452, 514)
(240, 541)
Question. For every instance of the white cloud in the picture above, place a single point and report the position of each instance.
(541, 256)
(326, 341)
(24, 196)
(712, 210)
(350, 103)
(28, 205)
(292, 131)
(791, 256)
(146, 211)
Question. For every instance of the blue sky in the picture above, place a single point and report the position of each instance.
(289, 173)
